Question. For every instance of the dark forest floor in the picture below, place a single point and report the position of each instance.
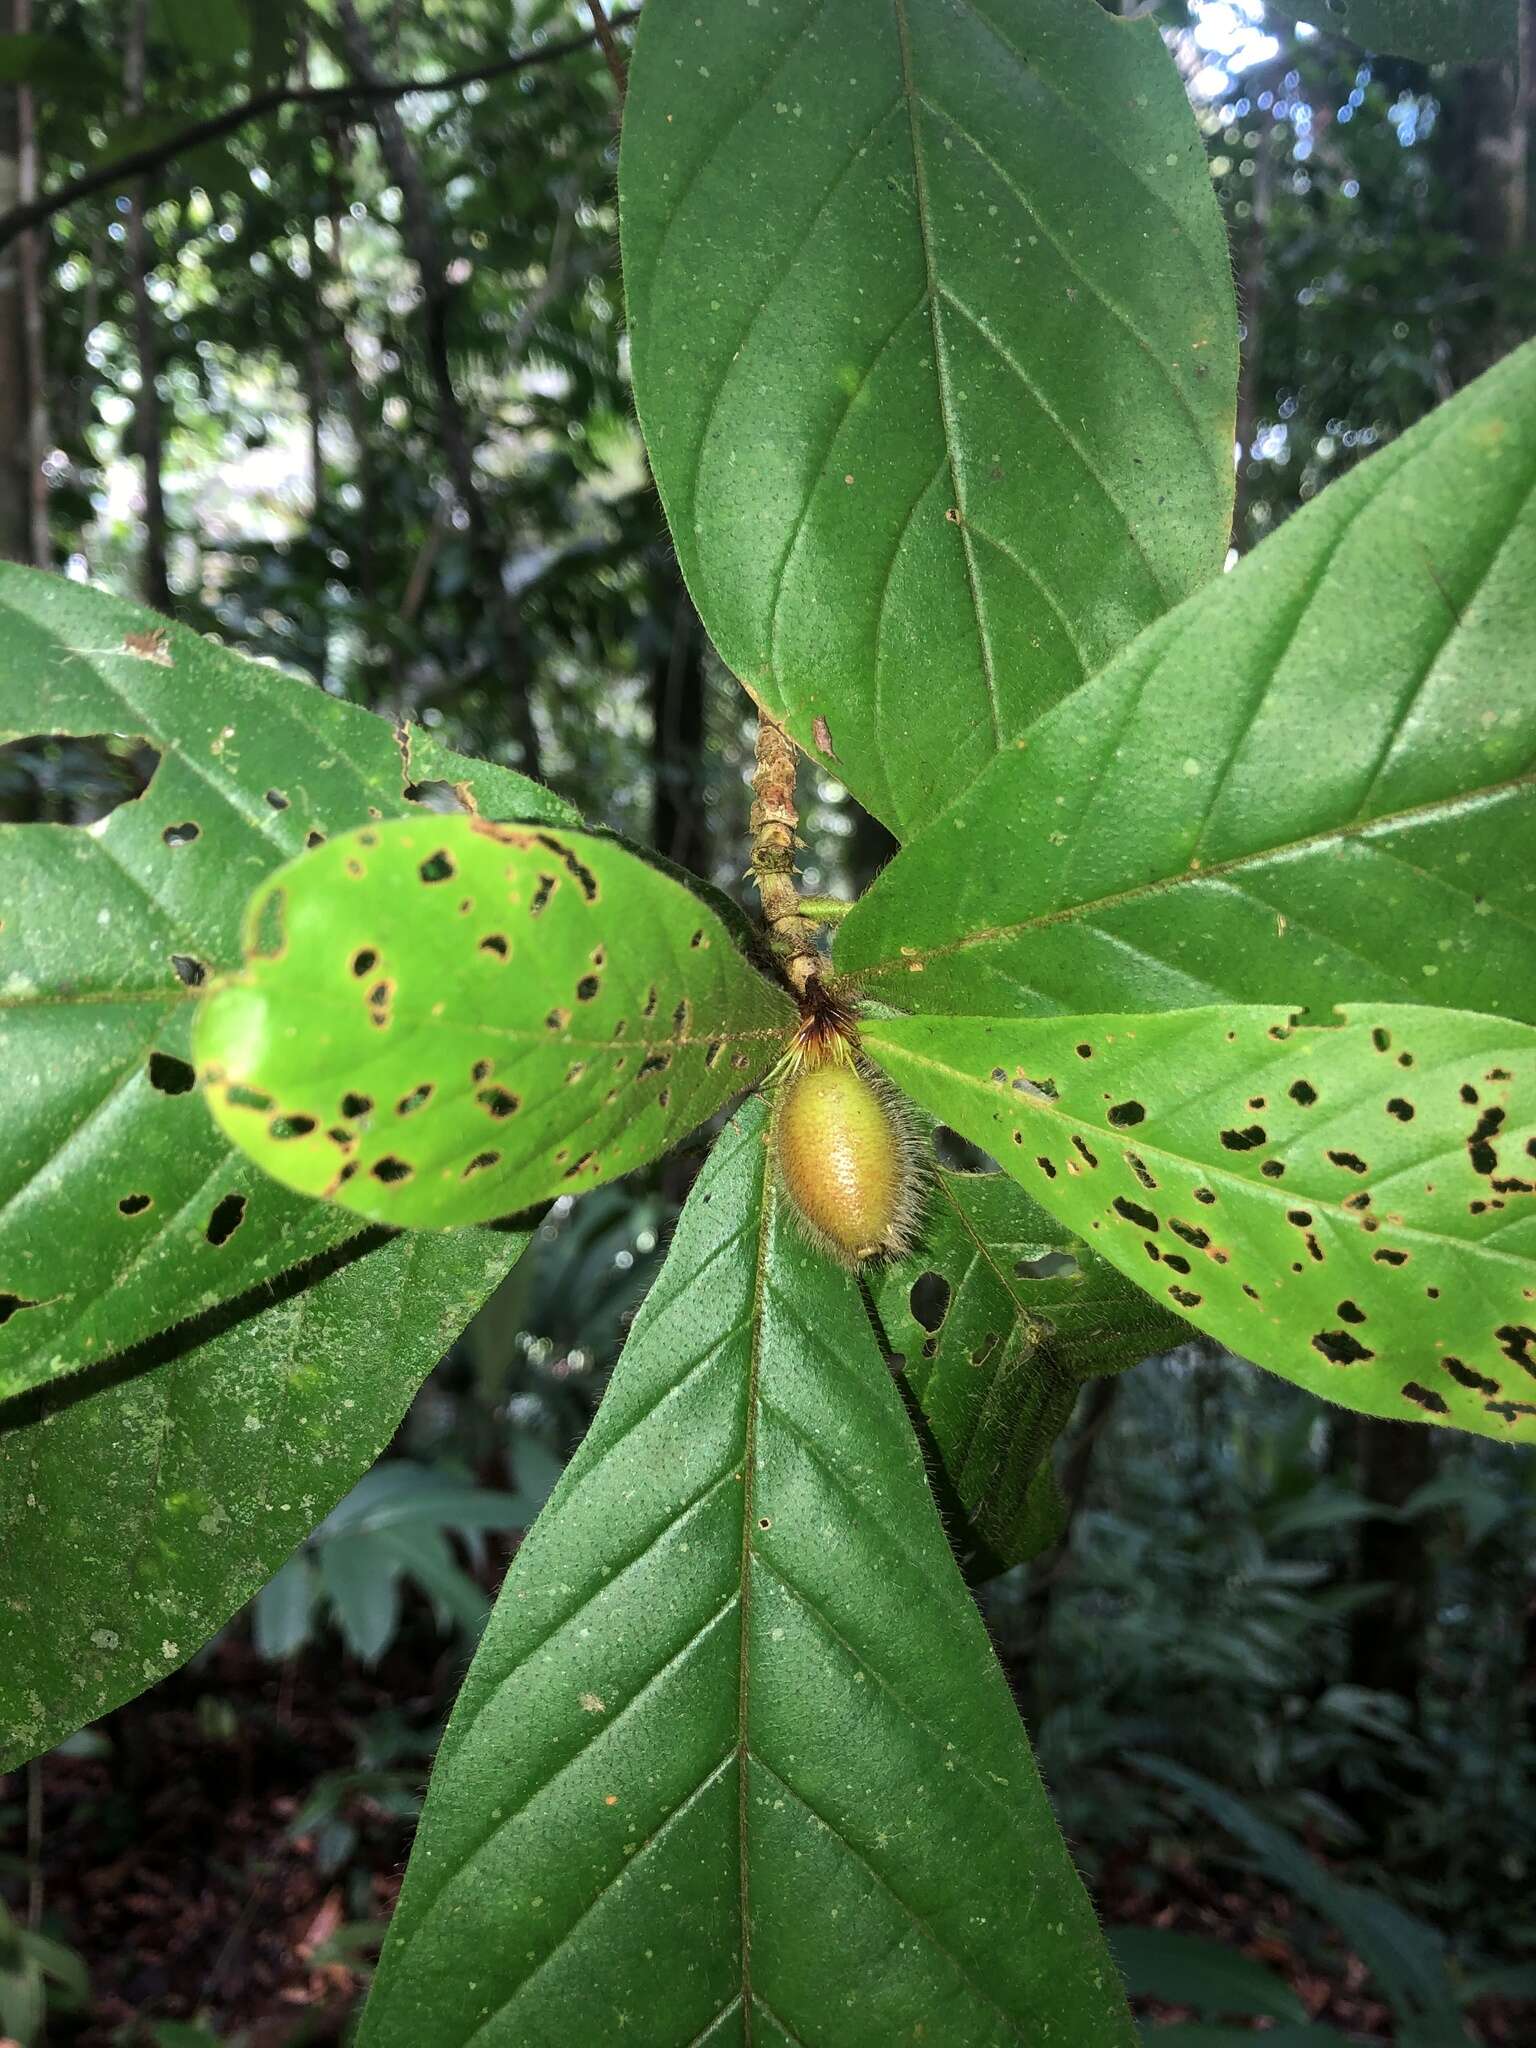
(171, 1864)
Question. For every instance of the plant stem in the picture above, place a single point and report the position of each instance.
(775, 823)
(610, 49)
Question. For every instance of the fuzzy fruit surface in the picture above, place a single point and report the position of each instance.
(845, 1161)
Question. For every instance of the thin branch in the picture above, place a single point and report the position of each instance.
(140, 161)
(603, 29)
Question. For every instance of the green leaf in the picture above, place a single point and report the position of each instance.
(136, 1517)
(1349, 1204)
(1453, 31)
(1025, 1313)
(899, 277)
(1185, 1969)
(123, 1211)
(209, 31)
(1314, 782)
(735, 1761)
(444, 1021)
(55, 64)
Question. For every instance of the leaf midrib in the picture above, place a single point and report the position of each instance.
(1355, 828)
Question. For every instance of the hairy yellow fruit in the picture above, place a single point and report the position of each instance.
(847, 1160)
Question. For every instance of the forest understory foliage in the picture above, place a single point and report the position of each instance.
(1132, 970)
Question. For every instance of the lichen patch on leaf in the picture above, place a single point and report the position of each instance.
(380, 1032)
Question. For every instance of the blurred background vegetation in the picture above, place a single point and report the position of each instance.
(341, 377)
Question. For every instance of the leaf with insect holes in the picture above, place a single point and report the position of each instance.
(1445, 31)
(1351, 1204)
(939, 419)
(1000, 1316)
(139, 1508)
(735, 1761)
(1315, 781)
(123, 1210)
(443, 1022)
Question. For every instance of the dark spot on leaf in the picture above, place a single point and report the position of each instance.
(580, 1165)
(929, 1300)
(1339, 1348)
(697, 940)
(713, 1051)
(586, 880)
(1190, 1232)
(391, 1170)
(480, 1162)
(1245, 1139)
(170, 1075)
(1177, 1260)
(418, 1097)
(740, 1061)
(1152, 1251)
(541, 895)
(1085, 1051)
(499, 1102)
(680, 1018)
(1313, 1247)
(1518, 1343)
(135, 1205)
(379, 999)
(277, 800)
(353, 1105)
(285, 1127)
(1302, 1092)
(1081, 1144)
(1042, 1162)
(1141, 1170)
(1185, 1298)
(1384, 1255)
(1425, 1398)
(557, 1020)
(1484, 1159)
(1350, 1312)
(364, 960)
(1464, 1376)
(1468, 1092)
(481, 1070)
(1302, 1218)
(438, 867)
(587, 988)
(574, 1072)
(1510, 1409)
(1350, 1161)
(497, 943)
(1273, 1169)
(183, 834)
(228, 1215)
(1206, 1195)
(312, 839)
(1123, 1114)
(1134, 1213)
(1401, 1108)
(191, 973)
(1251, 1292)
(656, 1064)
(652, 1001)
(1381, 1038)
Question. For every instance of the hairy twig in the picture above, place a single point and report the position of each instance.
(775, 836)
(136, 163)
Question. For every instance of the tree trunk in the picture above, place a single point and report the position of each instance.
(149, 435)
(679, 822)
(23, 418)
(458, 442)
(1251, 278)
(1386, 1640)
